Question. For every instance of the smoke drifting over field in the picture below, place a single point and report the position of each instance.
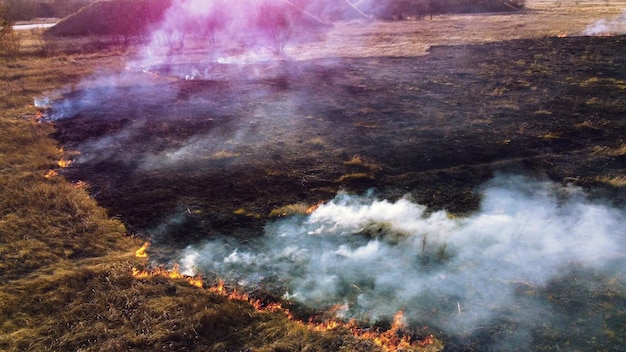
(256, 127)
(616, 26)
(377, 257)
(260, 27)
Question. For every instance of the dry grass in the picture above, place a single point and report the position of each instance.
(354, 177)
(65, 281)
(65, 264)
(612, 180)
(290, 209)
(360, 162)
(604, 150)
(94, 307)
(542, 18)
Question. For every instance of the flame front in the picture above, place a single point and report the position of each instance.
(392, 340)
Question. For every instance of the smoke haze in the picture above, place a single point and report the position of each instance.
(607, 27)
(377, 257)
(373, 256)
(247, 31)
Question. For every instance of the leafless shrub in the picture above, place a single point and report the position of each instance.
(10, 43)
(275, 22)
(9, 40)
(45, 45)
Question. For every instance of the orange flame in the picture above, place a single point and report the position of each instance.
(50, 174)
(195, 281)
(392, 340)
(141, 252)
(219, 288)
(332, 324)
(63, 163)
(174, 274)
(141, 274)
(312, 208)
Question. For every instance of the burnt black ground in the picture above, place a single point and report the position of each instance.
(181, 161)
(277, 133)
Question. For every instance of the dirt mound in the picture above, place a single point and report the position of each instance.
(133, 18)
(118, 17)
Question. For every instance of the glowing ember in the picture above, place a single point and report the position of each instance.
(312, 208)
(51, 174)
(39, 115)
(64, 163)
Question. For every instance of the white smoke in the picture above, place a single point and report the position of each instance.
(243, 30)
(615, 26)
(94, 93)
(378, 257)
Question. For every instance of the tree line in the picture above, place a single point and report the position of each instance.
(24, 10)
(329, 9)
(418, 9)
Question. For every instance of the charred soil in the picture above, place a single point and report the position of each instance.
(227, 151)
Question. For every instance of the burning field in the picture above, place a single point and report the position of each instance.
(452, 194)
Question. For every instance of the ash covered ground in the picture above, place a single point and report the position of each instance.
(213, 161)
(271, 134)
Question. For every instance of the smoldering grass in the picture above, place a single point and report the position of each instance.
(361, 162)
(290, 210)
(610, 151)
(223, 154)
(612, 180)
(65, 268)
(379, 256)
(355, 177)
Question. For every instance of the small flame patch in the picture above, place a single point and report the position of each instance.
(141, 252)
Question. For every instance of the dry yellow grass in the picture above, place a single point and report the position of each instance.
(542, 18)
(290, 209)
(360, 162)
(65, 281)
(65, 264)
(613, 180)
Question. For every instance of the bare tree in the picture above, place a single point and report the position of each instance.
(275, 22)
(9, 40)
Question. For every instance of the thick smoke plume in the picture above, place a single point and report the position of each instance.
(245, 31)
(377, 257)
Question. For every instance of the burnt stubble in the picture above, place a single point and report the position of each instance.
(283, 132)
